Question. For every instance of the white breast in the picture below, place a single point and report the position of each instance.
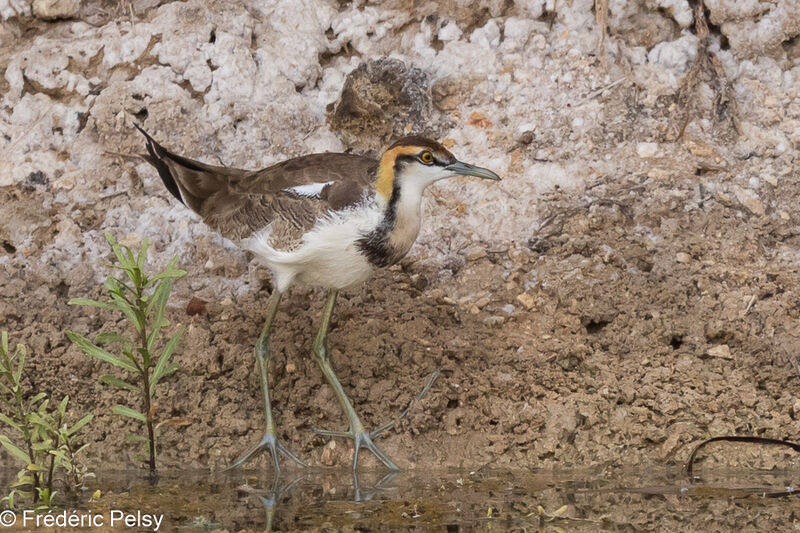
(329, 254)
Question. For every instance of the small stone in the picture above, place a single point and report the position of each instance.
(131, 240)
(526, 137)
(701, 149)
(646, 150)
(494, 320)
(474, 253)
(750, 200)
(527, 300)
(196, 306)
(683, 257)
(796, 409)
(327, 453)
(722, 351)
(55, 9)
(290, 368)
(226, 302)
(479, 120)
(772, 180)
(480, 304)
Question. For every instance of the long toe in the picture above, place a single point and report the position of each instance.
(363, 439)
(274, 446)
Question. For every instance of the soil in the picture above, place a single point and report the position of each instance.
(611, 354)
(647, 306)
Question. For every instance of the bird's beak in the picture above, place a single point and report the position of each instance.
(465, 169)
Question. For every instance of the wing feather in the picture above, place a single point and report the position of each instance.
(293, 194)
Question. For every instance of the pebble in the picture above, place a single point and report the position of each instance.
(55, 9)
(482, 302)
(647, 149)
(750, 200)
(722, 351)
(683, 257)
(494, 320)
(527, 300)
(474, 253)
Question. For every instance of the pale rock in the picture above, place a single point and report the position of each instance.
(487, 36)
(449, 32)
(527, 300)
(722, 351)
(680, 10)
(532, 8)
(647, 150)
(494, 320)
(677, 55)
(749, 199)
(474, 253)
(55, 9)
(683, 257)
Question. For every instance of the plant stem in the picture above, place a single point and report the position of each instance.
(146, 383)
(28, 438)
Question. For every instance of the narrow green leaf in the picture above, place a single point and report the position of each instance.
(135, 438)
(159, 302)
(127, 411)
(21, 352)
(130, 312)
(109, 337)
(79, 450)
(7, 421)
(90, 303)
(4, 341)
(33, 401)
(115, 247)
(62, 407)
(172, 271)
(13, 450)
(162, 365)
(95, 351)
(116, 382)
(79, 424)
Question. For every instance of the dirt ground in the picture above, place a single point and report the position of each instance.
(645, 309)
(646, 315)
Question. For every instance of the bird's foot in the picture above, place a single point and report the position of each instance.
(362, 439)
(268, 442)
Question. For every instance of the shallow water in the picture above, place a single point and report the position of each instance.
(485, 500)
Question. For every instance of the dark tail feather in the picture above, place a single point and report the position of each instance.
(156, 154)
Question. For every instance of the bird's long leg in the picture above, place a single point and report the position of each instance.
(361, 437)
(269, 441)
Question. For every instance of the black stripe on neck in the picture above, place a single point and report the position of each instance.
(375, 244)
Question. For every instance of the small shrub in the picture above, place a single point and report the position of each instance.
(44, 443)
(144, 357)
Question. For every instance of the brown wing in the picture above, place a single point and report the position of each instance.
(292, 195)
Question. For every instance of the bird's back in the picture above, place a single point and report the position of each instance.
(290, 197)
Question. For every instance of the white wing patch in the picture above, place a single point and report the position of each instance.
(309, 190)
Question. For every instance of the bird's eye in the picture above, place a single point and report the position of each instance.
(426, 157)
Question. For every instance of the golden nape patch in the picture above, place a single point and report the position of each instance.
(385, 182)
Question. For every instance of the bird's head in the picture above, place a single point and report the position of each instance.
(416, 162)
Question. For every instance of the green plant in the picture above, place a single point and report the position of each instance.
(142, 299)
(47, 444)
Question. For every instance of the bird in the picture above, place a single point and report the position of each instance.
(324, 219)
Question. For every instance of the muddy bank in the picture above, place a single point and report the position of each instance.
(628, 290)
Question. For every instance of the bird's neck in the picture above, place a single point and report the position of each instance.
(391, 240)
